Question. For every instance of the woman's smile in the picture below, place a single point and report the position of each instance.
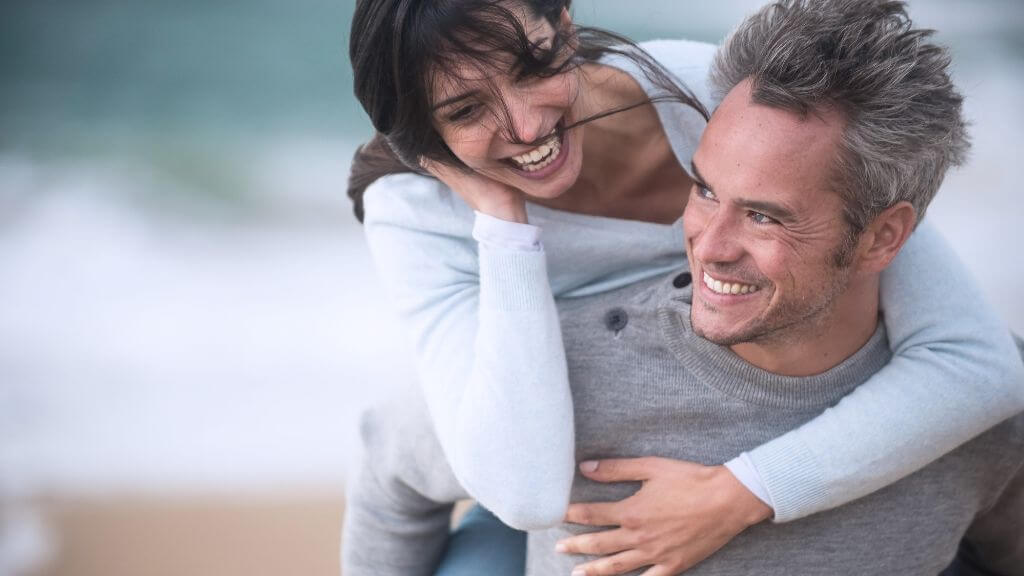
(543, 160)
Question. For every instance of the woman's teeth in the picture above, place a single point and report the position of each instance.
(540, 156)
(727, 287)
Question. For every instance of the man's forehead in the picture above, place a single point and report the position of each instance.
(775, 127)
(754, 149)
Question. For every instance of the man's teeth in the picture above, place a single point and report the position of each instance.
(727, 287)
(540, 156)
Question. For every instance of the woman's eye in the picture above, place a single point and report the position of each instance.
(463, 113)
(703, 192)
(542, 51)
(759, 218)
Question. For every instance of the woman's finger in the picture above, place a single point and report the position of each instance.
(436, 170)
(620, 469)
(613, 565)
(660, 570)
(597, 543)
(594, 514)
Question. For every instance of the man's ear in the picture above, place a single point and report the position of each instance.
(885, 236)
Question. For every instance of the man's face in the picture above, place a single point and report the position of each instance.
(764, 232)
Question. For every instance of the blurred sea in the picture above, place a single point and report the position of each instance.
(187, 304)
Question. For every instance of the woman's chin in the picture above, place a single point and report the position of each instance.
(550, 189)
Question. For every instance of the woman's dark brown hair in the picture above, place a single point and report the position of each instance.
(398, 47)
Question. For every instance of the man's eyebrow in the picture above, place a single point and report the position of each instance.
(450, 101)
(777, 211)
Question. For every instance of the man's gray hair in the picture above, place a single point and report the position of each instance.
(863, 58)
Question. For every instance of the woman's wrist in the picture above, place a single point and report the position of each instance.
(510, 210)
(747, 507)
(506, 235)
(743, 468)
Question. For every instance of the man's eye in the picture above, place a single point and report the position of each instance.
(759, 218)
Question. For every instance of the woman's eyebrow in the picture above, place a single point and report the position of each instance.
(450, 101)
(697, 177)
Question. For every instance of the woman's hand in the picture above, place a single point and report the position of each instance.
(483, 194)
(682, 514)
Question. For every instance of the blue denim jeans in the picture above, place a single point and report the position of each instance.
(483, 545)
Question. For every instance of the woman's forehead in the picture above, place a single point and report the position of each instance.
(456, 74)
(477, 60)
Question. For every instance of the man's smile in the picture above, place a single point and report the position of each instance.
(728, 288)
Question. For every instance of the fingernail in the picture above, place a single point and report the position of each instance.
(578, 572)
(560, 547)
(587, 466)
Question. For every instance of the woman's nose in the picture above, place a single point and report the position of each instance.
(526, 124)
(525, 115)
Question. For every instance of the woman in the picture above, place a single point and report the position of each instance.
(506, 101)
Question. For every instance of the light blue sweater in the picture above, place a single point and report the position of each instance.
(492, 366)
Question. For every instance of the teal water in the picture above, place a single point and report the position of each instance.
(108, 71)
(124, 77)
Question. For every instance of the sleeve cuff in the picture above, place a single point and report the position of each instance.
(742, 467)
(499, 233)
(792, 475)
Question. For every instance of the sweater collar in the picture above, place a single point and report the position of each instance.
(721, 368)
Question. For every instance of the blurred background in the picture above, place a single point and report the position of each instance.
(189, 320)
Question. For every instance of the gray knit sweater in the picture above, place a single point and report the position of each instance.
(644, 384)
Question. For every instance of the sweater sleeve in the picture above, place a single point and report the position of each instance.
(489, 355)
(955, 373)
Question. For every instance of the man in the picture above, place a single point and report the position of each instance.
(803, 196)
(787, 231)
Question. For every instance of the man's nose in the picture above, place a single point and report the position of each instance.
(718, 241)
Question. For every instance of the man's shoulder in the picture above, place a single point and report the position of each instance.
(1007, 437)
(995, 456)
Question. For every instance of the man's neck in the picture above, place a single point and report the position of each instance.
(822, 343)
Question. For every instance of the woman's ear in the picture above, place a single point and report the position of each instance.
(566, 28)
(565, 20)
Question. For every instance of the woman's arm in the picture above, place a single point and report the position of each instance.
(954, 374)
(488, 349)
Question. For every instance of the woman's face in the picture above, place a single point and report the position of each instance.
(469, 113)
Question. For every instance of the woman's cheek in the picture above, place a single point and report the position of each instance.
(470, 146)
